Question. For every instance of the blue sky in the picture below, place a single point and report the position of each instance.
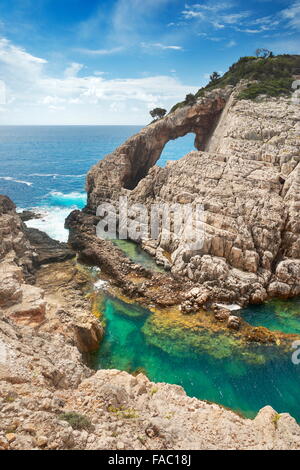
(110, 62)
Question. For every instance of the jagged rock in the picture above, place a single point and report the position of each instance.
(48, 305)
(48, 250)
(6, 205)
(29, 215)
(88, 335)
(14, 247)
(11, 277)
(32, 308)
(234, 322)
(222, 315)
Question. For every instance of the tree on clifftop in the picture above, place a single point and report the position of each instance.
(264, 53)
(158, 113)
(214, 77)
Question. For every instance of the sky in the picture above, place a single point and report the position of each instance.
(87, 62)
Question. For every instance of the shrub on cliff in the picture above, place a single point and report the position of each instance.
(76, 420)
(268, 87)
(190, 99)
(273, 76)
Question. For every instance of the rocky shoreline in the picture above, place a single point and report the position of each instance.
(246, 175)
(49, 398)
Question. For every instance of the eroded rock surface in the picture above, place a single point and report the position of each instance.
(50, 298)
(247, 181)
(130, 162)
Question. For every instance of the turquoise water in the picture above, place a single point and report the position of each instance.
(44, 167)
(208, 366)
(138, 255)
(282, 315)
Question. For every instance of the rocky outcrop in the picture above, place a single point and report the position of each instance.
(130, 162)
(48, 250)
(66, 288)
(14, 247)
(247, 181)
(135, 281)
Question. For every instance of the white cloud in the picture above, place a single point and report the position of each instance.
(231, 43)
(158, 45)
(292, 15)
(113, 50)
(73, 69)
(188, 14)
(216, 14)
(36, 97)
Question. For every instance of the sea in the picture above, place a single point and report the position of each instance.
(44, 167)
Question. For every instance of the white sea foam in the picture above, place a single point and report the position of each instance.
(57, 207)
(56, 175)
(10, 178)
(100, 284)
(72, 200)
(231, 307)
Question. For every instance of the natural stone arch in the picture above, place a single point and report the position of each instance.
(130, 163)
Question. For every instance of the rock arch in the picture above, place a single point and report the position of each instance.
(130, 163)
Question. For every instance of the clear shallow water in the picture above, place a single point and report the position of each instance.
(208, 366)
(45, 166)
(138, 255)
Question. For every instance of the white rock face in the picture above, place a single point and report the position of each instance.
(248, 182)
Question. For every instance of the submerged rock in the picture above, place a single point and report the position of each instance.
(29, 215)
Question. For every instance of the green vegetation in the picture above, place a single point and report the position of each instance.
(272, 76)
(268, 87)
(76, 420)
(190, 99)
(122, 412)
(275, 420)
(157, 113)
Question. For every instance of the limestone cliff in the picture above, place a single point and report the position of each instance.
(246, 174)
(42, 298)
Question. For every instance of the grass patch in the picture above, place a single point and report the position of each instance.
(76, 420)
(123, 412)
(275, 420)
